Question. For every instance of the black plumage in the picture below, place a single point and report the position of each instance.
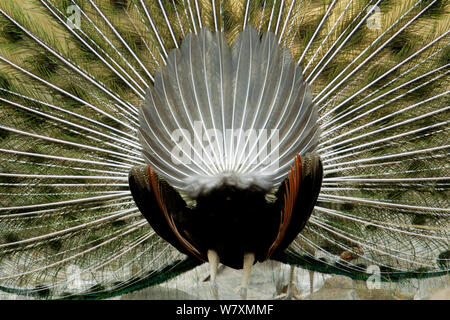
(227, 219)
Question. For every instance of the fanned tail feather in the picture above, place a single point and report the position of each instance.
(89, 89)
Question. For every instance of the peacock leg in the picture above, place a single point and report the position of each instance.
(249, 259)
(290, 288)
(290, 291)
(213, 259)
(311, 283)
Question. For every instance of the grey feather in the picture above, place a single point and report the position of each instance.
(255, 87)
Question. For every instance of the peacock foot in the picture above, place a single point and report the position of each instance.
(289, 292)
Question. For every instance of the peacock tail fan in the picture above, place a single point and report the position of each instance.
(91, 89)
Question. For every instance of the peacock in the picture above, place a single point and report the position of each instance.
(140, 139)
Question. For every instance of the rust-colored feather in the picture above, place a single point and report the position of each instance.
(290, 196)
(154, 181)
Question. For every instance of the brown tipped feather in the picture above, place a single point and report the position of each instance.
(154, 181)
(292, 187)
